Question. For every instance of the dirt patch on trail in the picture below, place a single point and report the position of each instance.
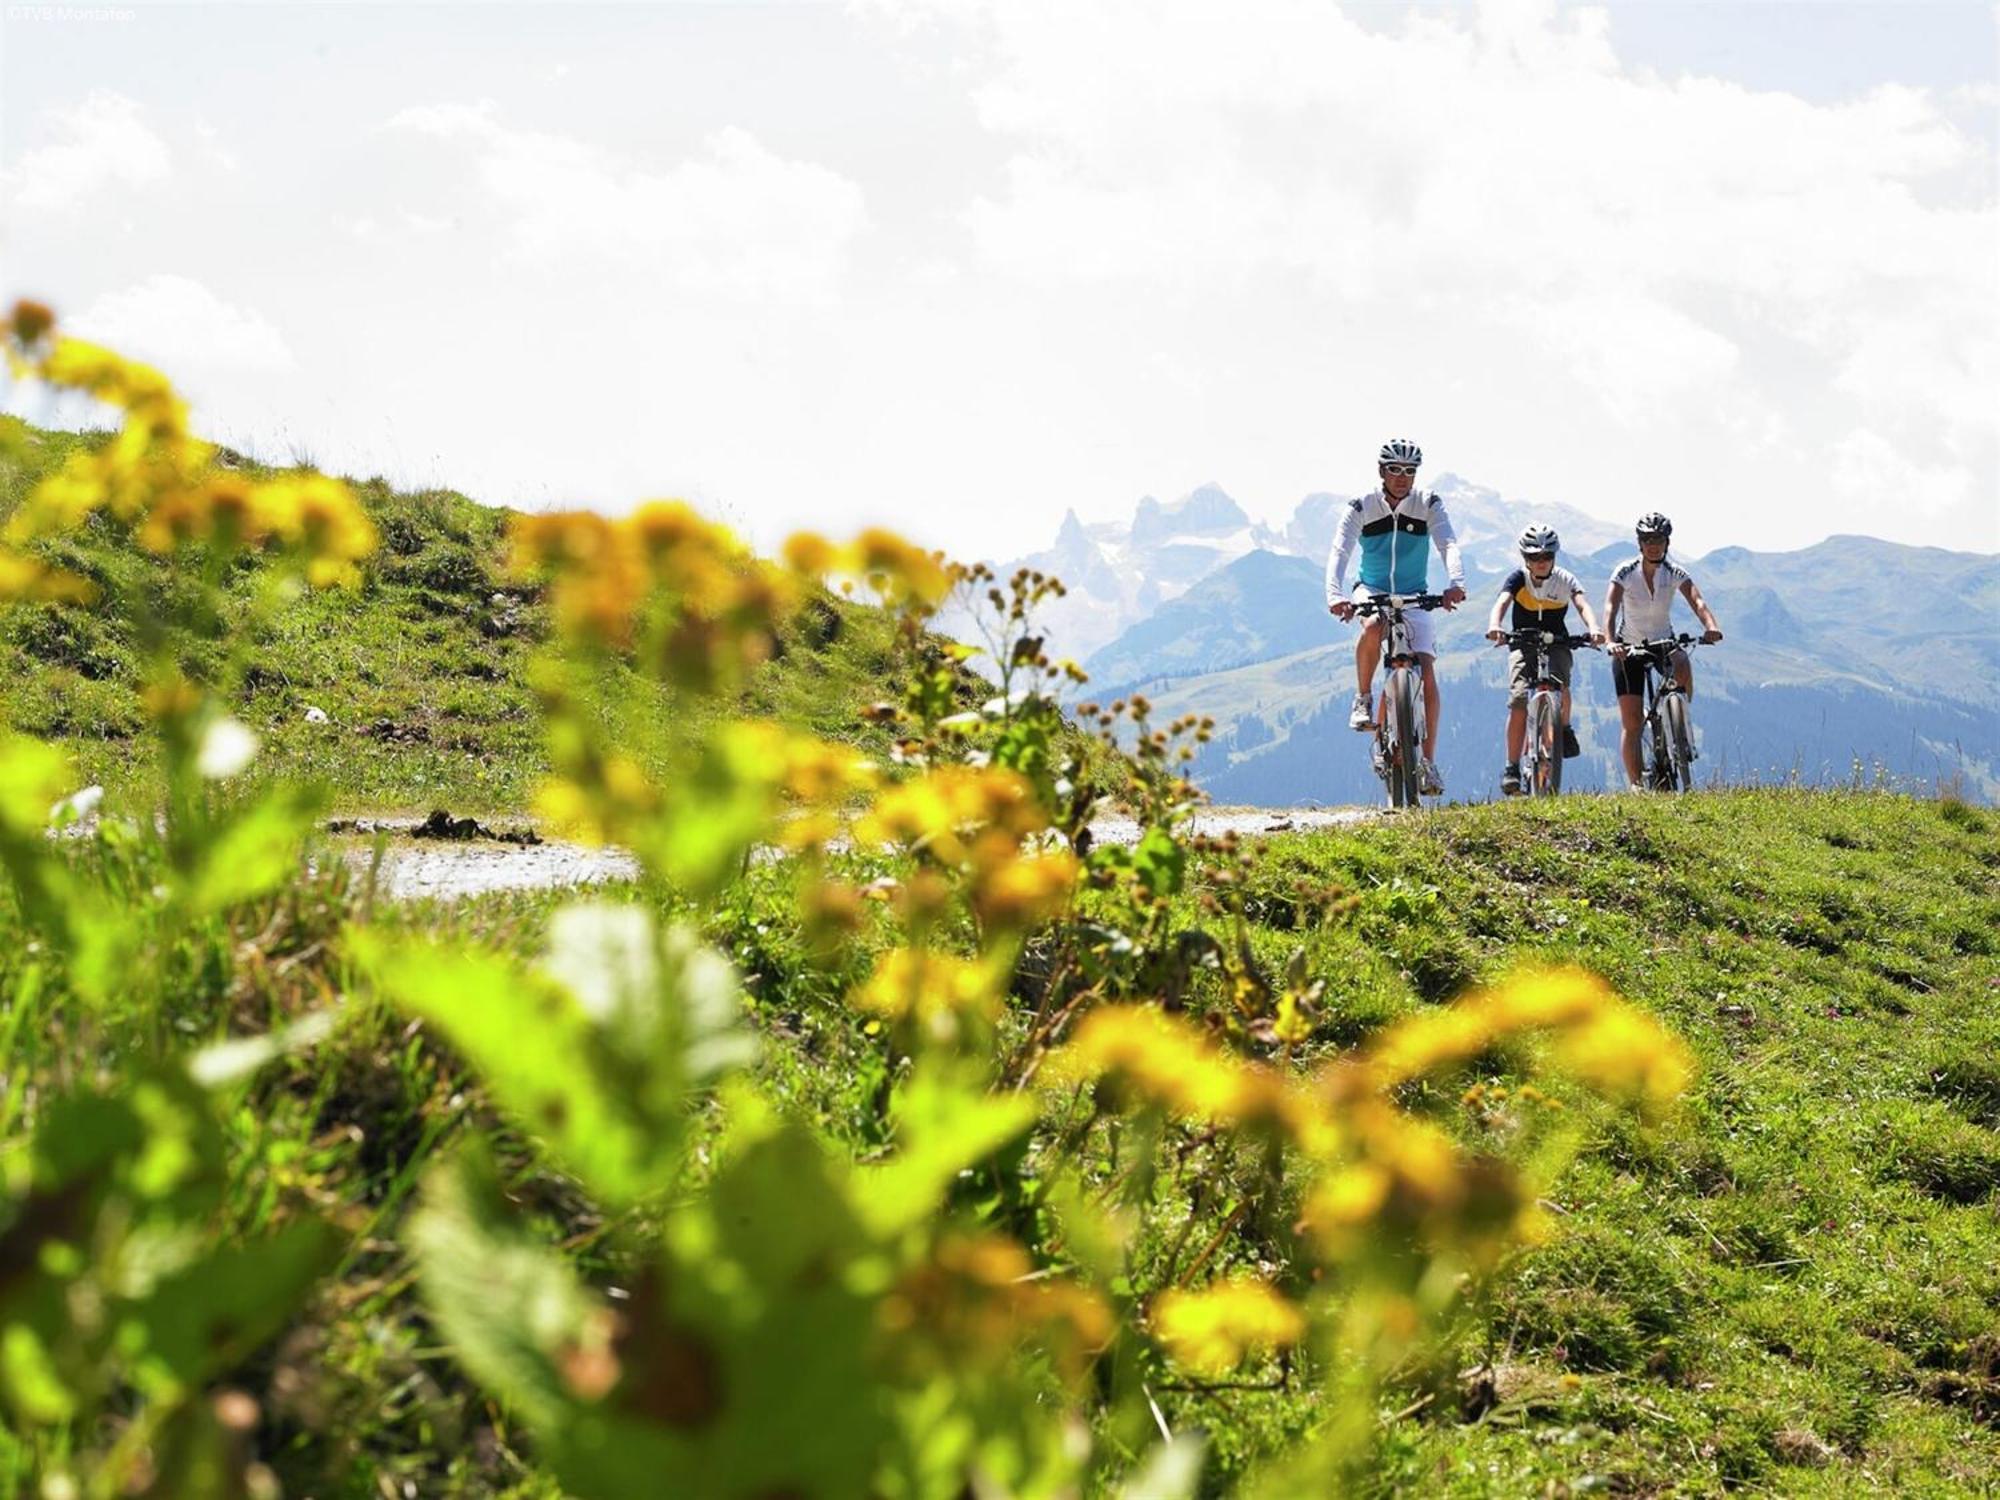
(447, 858)
(1244, 822)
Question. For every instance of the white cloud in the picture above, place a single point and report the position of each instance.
(98, 143)
(1639, 355)
(1868, 468)
(1671, 249)
(179, 323)
(737, 218)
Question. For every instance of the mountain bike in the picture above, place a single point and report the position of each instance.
(1666, 744)
(1397, 751)
(1542, 746)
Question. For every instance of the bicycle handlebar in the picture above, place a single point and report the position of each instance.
(1523, 639)
(1382, 603)
(1665, 643)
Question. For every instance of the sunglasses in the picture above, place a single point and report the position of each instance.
(1399, 468)
(1539, 556)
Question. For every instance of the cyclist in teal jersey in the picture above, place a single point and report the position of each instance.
(1394, 528)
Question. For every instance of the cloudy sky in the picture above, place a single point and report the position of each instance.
(958, 265)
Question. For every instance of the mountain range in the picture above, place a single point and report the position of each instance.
(1852, 657)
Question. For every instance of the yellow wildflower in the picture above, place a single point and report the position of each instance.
(1211, 1332)
(1599, 1037)
(810, 554)
(942, 812)
(24, 577)
(1018, 892)
(977, 1298)
(900, 571)
(933, 989)
(1168, 1062)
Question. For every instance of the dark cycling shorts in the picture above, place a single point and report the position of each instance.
(1518, 683)
(1628, 672)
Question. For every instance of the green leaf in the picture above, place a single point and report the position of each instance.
(722, 810)
(781, 1206)
(596, 1050)
(34, 776)
(1172, 1471)
(510, 1305)
(256, 850)
(1160, 861)
(110, 1198)
(944, 1126)
(197, 1323)
(545, 1061)
(749, 1369)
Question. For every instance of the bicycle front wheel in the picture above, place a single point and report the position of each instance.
(1541, 750)
(1679, 744)
(1405, 782)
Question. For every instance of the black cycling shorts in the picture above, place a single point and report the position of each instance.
(1628, 672)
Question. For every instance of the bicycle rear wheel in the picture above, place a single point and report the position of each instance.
(1541, 749)
(1679, 744)
(1401, 706)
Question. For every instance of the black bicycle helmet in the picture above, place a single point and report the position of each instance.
(1652, 523)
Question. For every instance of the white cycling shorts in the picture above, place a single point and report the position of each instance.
(1423, 632)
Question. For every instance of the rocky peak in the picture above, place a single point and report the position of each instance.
(1207, 511)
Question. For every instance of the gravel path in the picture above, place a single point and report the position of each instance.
(415, 869)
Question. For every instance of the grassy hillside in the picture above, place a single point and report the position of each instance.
(1793, 1285)
(463, 1186)
(421, 672)
(1789, 1287)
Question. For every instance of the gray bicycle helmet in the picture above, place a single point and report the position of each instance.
(1652, 523)
(1400, 451)
(1539, 539)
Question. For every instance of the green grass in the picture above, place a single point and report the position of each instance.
(1792, 1287)
(422, 671)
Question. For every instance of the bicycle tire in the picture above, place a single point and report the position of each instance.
(1405, 778)
(1657, 766)
(1679, 743)
(1541, 748)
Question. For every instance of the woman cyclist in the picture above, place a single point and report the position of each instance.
(1639, 607)
(1539, 594)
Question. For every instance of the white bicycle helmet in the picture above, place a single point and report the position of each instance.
(1539, 539)
(1400, 451)
(1652, 523)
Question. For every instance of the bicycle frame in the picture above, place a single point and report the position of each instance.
(1541, 768)
(1662, 764)
(1399, 725)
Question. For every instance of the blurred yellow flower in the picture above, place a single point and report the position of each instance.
(1019, 892)
(24, 577)
(1169, 1062)
(943, 812)
(1212, 1331)
(932, 989)
(1599, 1038)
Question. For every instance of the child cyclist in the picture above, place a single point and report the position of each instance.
(1539, 595)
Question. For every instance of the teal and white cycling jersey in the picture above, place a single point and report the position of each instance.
(1395, 543)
